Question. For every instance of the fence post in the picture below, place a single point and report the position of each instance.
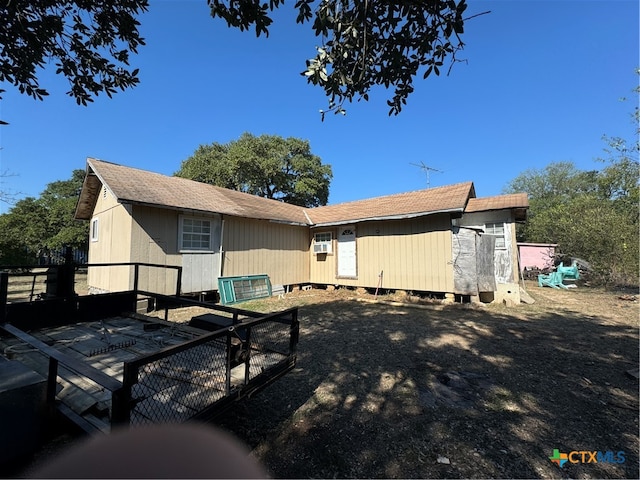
(136, 279)
(66, 274)
(4, 290)
(52, 381)
(121, 398)
(179, 282)
(294, 333)
(136, 276)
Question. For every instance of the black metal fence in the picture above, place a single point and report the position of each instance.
(197, 377)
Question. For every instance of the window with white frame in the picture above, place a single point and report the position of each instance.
(497, 230)
(195, 234)
(94, 230)
(322, 242)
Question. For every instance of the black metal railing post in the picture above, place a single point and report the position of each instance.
(4, 290)
(136, 278)
(52, 381)
(121, 398)
(66, 276)
(294, 332)
(227, 382)
(247, 366)
(179, 282)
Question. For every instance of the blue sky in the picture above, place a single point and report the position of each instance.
(542, 84)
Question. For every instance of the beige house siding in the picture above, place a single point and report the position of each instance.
(262, 247)
(154, 239)
(413, 254)
(112, 246)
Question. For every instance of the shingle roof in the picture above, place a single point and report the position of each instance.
(452, 198)
(500, 202)
(131, 185)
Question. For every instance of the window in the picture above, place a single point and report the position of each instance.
(322, 242)
(497, 230)
(94, 230)
(195, 234)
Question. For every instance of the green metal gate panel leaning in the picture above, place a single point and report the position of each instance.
(243, 288)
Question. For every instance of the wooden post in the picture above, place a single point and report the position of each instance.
(4, 290)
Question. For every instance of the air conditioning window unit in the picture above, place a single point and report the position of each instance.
(322, 242)
(320, 248)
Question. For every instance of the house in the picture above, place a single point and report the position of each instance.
(442, 240)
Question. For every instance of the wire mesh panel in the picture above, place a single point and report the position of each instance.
(270, 344)
(203, 375)
(176, 387)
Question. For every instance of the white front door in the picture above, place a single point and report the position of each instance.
(347, 252)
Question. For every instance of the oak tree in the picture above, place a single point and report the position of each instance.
(269, 166)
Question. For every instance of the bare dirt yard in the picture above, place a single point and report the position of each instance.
(396, 387)
(384, 391)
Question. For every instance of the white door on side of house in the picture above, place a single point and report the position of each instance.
(347, 252)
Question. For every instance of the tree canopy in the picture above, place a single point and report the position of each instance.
(34, 225)
(591, 215)
(363, 43)
(88, 42)
(269, 166)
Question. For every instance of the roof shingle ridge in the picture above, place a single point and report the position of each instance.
(399, 194)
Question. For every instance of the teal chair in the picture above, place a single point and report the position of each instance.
(570, 273)
(553, 280)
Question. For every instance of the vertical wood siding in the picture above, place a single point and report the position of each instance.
(154, 239)
(262, 247)
(414, 254)
(113, 245)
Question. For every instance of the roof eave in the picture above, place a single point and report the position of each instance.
(91, 186)
(386, 217)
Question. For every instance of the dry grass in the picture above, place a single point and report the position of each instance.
(367, 398)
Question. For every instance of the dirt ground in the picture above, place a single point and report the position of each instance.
(385, 391)
(423, 390)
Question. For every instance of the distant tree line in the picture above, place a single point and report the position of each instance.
(36, 228)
